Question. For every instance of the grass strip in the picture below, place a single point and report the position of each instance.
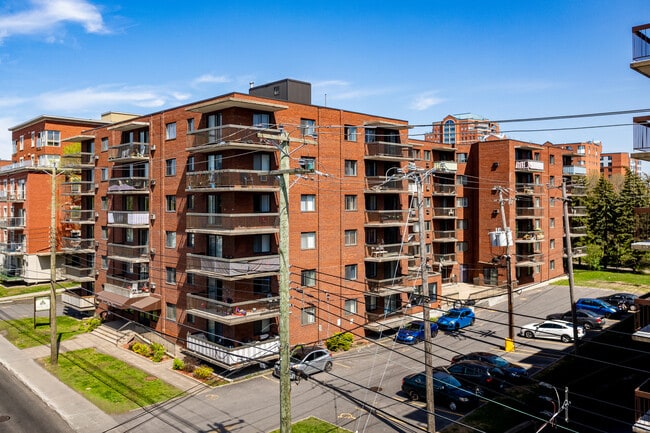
(22, 334)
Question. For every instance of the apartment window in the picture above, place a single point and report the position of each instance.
(308, 127)
(427, 155)
(190, 202)
(104, 203)
(427, 202)
(307, 203)
(351, 133)
(551, 202)
(262, 286)
(350, 237)
(261, 120)
(33, 139)
(170, 131)
(170, 167)
(350, 307)
(350, 167)
(307, 163)
(462, 202)
(461, 247)
(461, 157)
(262, 203)
(104, 262)
(308, 278)
(308, 315)
(21, 145)
(551, 160)
(170, 311)
(551, 264)
(129, 235)
(461, 179)
(170, 203)
(262, 243)
(14, 147)
(551, 244)
(49, 138)
(170, 275)
(190, 164)
(551, 222)
(190, 125)
(371, 303)
(104, 233)
(552, 180)
(262, 161)
(371, 135)
(190, 280)
(350, 202)
(170, 239)
(190, 242)
(351, 272)
(104, 174)
(462, 224)
(104, 144)
(449, 132)
(308, 241)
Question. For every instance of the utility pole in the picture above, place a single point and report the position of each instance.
(510, 341)
(54, 358)
(569, 259)
(428, 347)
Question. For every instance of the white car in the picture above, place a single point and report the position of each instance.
(554, 329)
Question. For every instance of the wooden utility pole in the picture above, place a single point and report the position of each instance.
(569, 259)
(510, 342)
(54, 358)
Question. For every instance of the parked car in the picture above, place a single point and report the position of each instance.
(446, 389)
(456, 318)
(586, 318)
(624, 301)
(413, 332)
(477, 375)
(597, 305)
(553, 329)
(512, 371)
(307, 360)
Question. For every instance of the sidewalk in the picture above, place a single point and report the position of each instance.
(78, 412)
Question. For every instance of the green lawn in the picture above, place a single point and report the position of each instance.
(314, 425)
(21, 332)
(110, 384)
(23, 290)
(608, 279)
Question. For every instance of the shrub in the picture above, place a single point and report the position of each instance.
(189, 365)
(93, 323)
(202, 372)
(157, 352)
(340, 341)
(141, 349)
(178, 364)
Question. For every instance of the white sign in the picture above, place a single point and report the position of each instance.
(42, 303)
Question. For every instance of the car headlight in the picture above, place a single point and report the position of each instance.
(464, 399)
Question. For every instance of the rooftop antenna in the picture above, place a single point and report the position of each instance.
(326, 99)
(251, 84)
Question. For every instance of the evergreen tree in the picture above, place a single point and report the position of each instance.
(634, 194)
(601, 221)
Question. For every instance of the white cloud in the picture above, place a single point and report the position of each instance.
(44, 15)
(331, 83)
(102, 98)
(425, 101)
(209, 78)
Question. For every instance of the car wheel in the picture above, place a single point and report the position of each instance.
(434, 333)
(328, 367)
(529, 334)
(456, 327)
(471, 322)
(565, 338)
(414, 396)
(453, 406)
(292, 376)
(587, 326)
(632, 307)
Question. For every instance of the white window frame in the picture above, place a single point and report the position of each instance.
(308, 203)
(308, 241)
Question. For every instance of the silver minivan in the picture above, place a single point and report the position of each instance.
(307, 360)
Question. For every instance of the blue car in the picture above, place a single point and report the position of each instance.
(413, 332)
(456, 318)
(596, 305)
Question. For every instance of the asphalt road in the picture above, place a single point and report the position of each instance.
(21, 411)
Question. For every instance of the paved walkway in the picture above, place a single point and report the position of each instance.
(82, 415)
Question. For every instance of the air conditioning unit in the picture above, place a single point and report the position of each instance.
(96, 214)
(152, 216)
(153, 147)
(96, 157)
(96, 186)
(152, 182)
(152, 251)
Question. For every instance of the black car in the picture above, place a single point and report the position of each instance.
(513, 372)
(624, 301)
(478, 376)
(446, 389)
(588, 319)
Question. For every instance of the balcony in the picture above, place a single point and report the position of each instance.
(442, 189)
(12, 248)
(129, 152)
(577, 252)
(528, 260)
(386, 151)
(445, 166)
(11, 273)
(232, 224)
(574, 170)
(78, 160)
(129, 253)
(641, 49)
(129, 185)
(78, 216)
(525, 236)
(383, 184)
(529, 212)
(387, 252)
(234, 313)
(529, 189)
(642, 408)
(641, 134)
(233, 268)
(444, 236)
(77, 245)
(227, 180)
(12, 222)
(577, 211)
(79, 273)
(444, 212)
(387, 286)
(229, 137)
(576, 190)
(75, 299)
(14, 196)
(78, 188)
(529, 165)
(127, 287)
(578, 231)
(231, 358)
(128, 218)
(445, 259)
(386, 217)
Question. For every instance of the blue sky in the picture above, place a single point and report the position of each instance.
(411, 60)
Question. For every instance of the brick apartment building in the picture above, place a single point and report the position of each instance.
(618, 163)
(462, 129)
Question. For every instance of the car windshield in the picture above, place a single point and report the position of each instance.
(447, 379)
(453, 314)
(498, 361)
(412, 326)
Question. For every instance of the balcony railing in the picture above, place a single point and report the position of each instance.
(234, 312)
(444, 259)
(129, 288)
(382, 284)
(576, 190)
(394, 251)
(578, 251)
(246, 267)
(440, 189)
(121, 251)
(529, 236)
(385, 216)
(573, 170)
(388, 151)
(641, 43)
(444, 212)
(128, 185)
(577, 211)
(444, 235)
(78, 160)
(12, 222)
(578, 231)
(220, 222)
(133, 151)
(232, 136)
(529, 259)
(78, 188)
(128, 218)
(74, 299)
(77, 216)
(226, 179)
(641, 134)
(12, 195)
(12, 248)
(529, 165)
(445, 166)
(72, 244)
(529, 188)
(233, 357)
(78, 273)
(11, 273)
(529, 211)
(383, 184)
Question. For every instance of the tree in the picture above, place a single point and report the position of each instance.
(602, 220)
(634, 194)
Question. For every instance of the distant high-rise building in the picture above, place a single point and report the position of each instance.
(618, 163)
(462, 129)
